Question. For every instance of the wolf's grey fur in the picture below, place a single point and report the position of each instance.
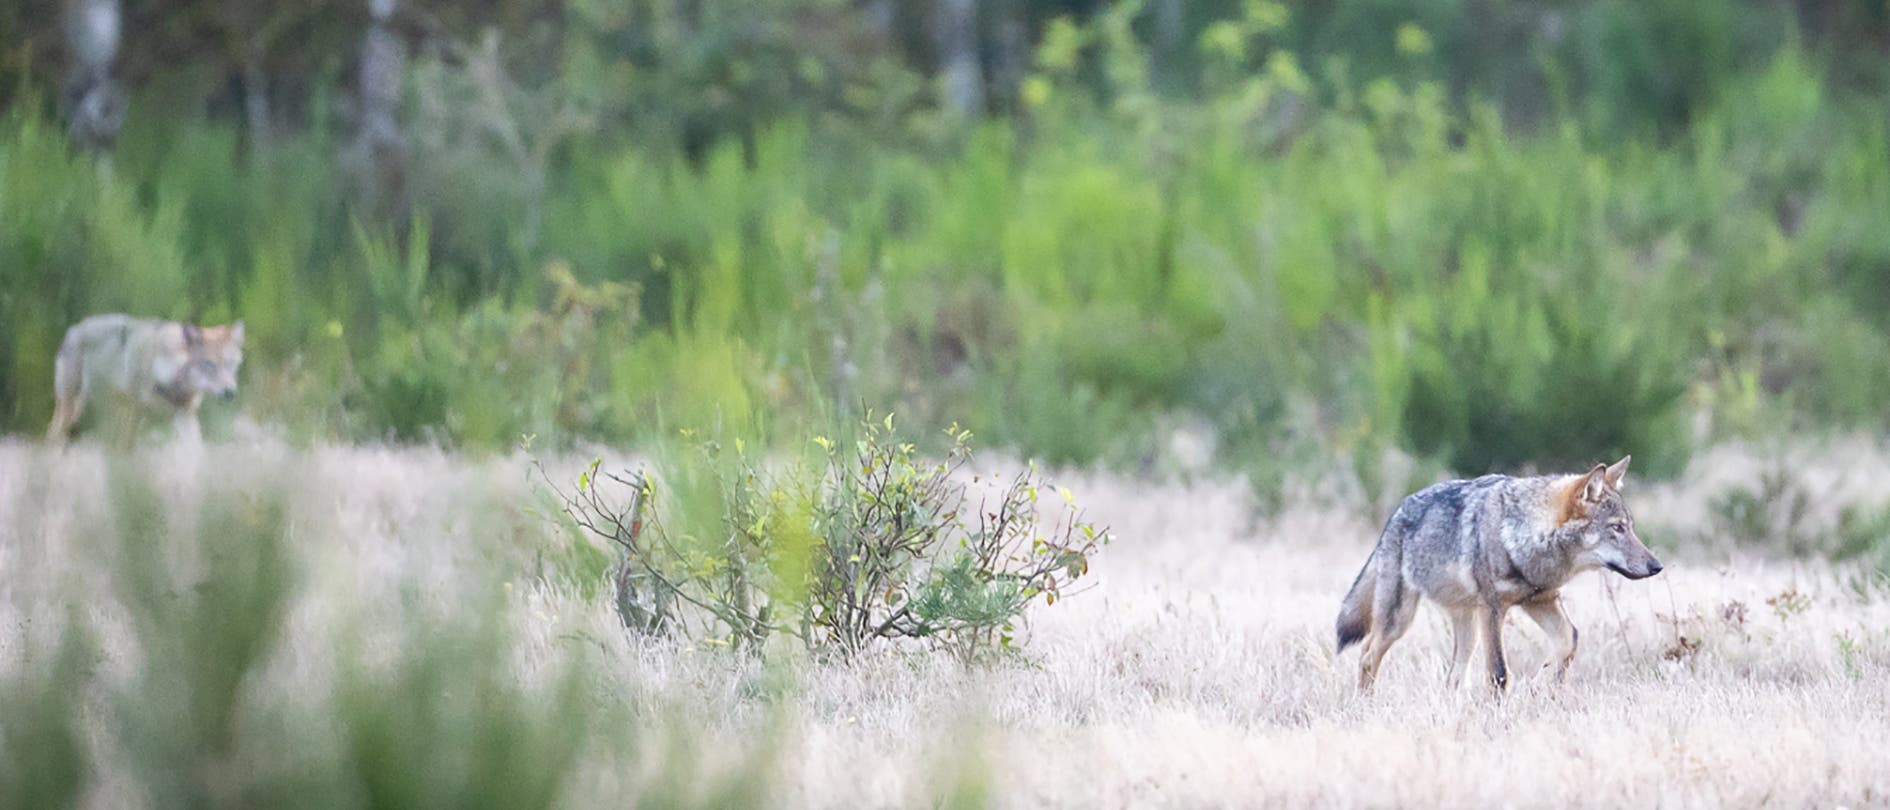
(1479, 547)
(152, 364)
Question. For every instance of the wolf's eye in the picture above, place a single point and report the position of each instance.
(1618, 528)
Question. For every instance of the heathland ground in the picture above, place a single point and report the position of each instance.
(1196, 670)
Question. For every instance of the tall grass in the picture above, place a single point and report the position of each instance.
(175, 650)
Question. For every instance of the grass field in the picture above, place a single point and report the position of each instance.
(1197, 671)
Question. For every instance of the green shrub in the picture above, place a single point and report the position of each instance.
(1554, 378)
(1777, 510)
(1864, 533)
(42, 751)
(1031, 401)
(867, 542)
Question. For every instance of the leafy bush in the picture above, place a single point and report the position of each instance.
(1526, 381)
(1864, 533)
(867, 542)
(1034, 402)
(1774, 511)
(1779, 509)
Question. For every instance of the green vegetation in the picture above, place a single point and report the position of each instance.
(866, 542)
(202, 601)
(1344, 227)
(1494, 235)
(193, 649)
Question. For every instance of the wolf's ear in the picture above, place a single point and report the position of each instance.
(1595, 484)
(236, 337)
(1617, 472)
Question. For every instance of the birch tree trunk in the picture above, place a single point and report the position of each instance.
(962, 81)
(380, 148)
(1171, 41)
(95, 102)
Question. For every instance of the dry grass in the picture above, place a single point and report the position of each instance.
(1198, 672)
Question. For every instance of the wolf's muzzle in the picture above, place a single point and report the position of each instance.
(1653, 567)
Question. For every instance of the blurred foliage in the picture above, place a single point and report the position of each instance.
(1499, 234)
(228, 699)
(1777, 508)
(1864, 532)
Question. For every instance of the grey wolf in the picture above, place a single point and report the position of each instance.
(1479, 547)
(147, 363)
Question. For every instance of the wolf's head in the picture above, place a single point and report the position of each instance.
(213, 353)
(1591, 505)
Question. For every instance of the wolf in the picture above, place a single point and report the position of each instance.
(148, 363)
(1481, 546)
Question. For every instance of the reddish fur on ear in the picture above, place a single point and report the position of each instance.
(214, 334)
(1571, 502)
(1568, 502)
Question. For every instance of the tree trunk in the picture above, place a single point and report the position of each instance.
(961, 79)
(95, 103)
(1011, 56)
(882, 19)
(1171, 42)
(256, 103)
(379, 151)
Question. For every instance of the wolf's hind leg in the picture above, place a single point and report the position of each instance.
(1371, 657)
(68, 396)
(1463, 634)
(1550, 617)
(1394, 607)
(61, 426)
(1490, 622)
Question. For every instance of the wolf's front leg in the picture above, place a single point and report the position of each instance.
(1554, 622)
(187, 430)
(1491, 617)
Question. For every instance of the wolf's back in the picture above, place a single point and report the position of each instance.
(106, 333)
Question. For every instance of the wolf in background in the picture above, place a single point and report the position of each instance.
(1479, 547)
(147, 363)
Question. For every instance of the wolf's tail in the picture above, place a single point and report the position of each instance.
(1355, 613)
